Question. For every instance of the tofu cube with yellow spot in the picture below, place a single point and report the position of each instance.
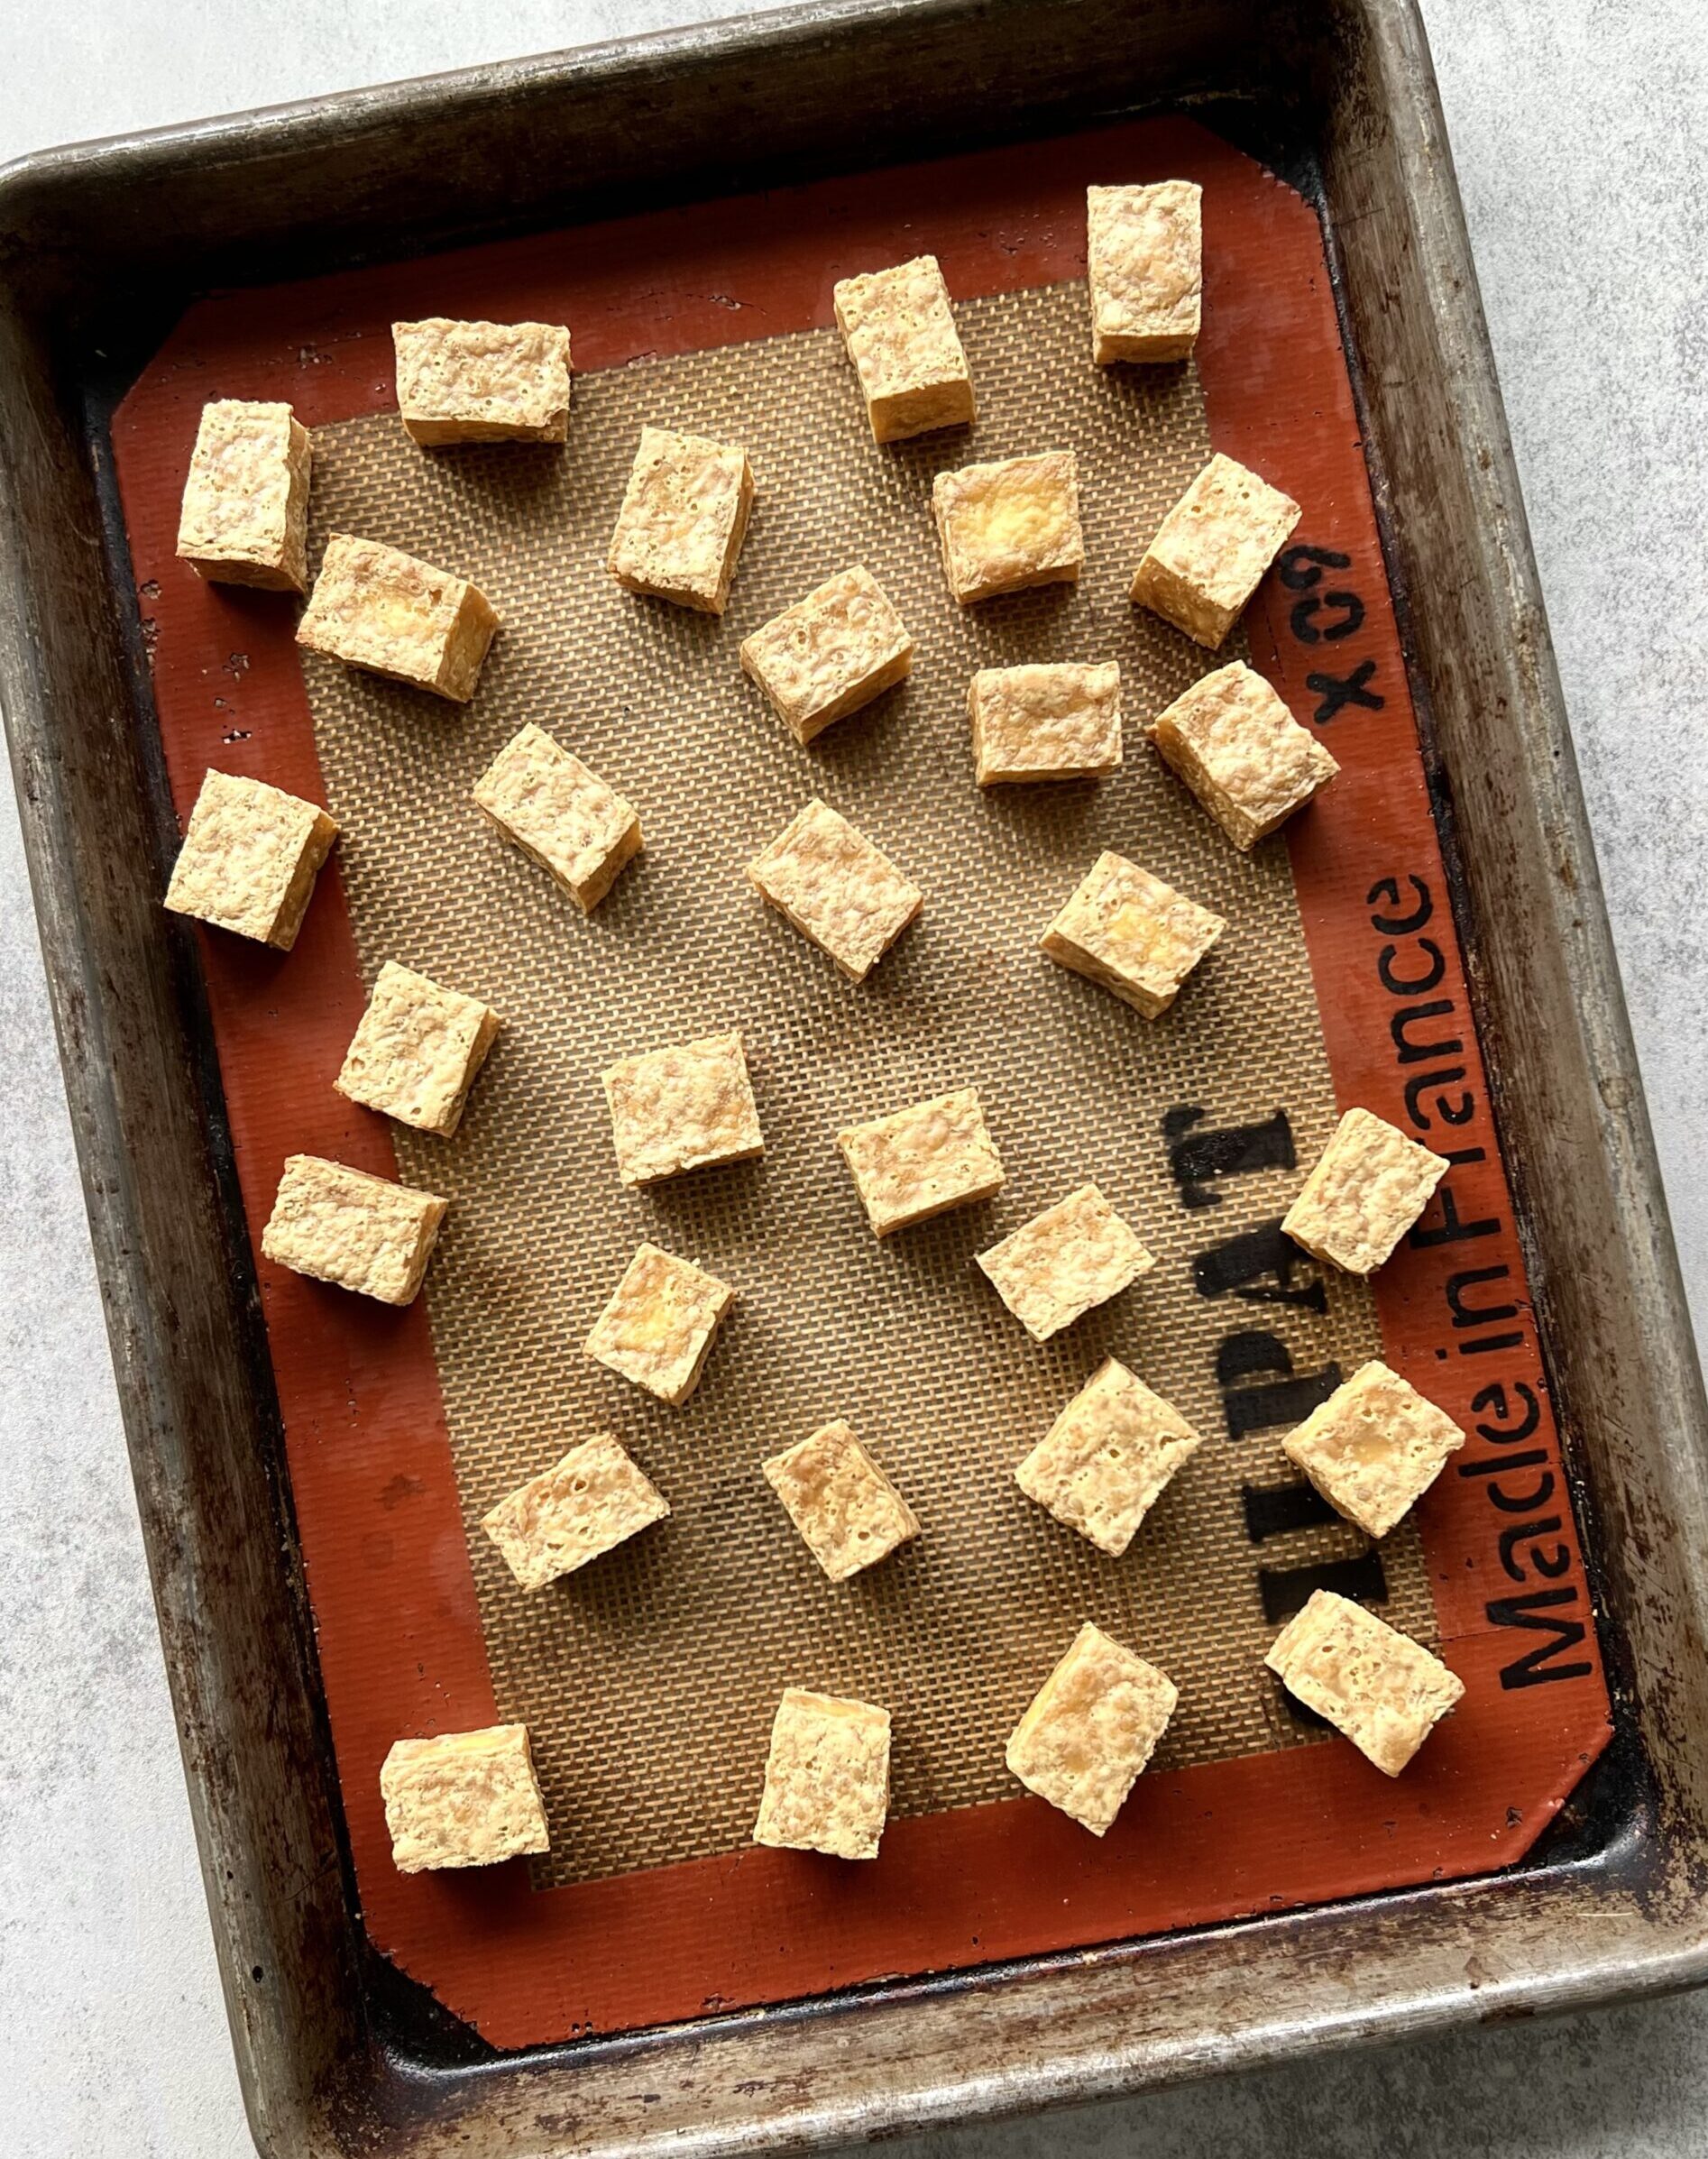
(244, 516)
(595, 1498)
(1235, 743)
(848, 1512)
(1366, 1191)
(1009, 525)
(683, 1108)
(1211, 550)
(921, 1162)
(250, 858)
(1092, 1727)
(901, 339)
(1382, 1690)
(658, 1328)
(1132, 933)
(561, 815)
(1375, 1447)
(826, 1777)
(684, 517)
(1051, 722)
(1145, 263)
(416, 1054)
(830, 654)
(376, 608)
(360, 1232)
(837, 888)
(481, 382)
(1103, 1463)
(1052, 1270)
(464, 1799)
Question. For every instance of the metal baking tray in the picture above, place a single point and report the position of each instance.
(100, 249)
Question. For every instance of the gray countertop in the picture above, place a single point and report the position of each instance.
(1580, 130)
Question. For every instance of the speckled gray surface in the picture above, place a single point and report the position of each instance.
(1580, 129)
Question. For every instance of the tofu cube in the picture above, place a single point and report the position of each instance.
(1145, 263)
(359, 1232)
(1132, 933)
(681, 1108)
(901, 337)
(1212, 550)
(250, 858)
(1366, 1191)
(244, 518)
(922, 1161)
(828, 654)
(848, 1510)
(1375, 1447)
(684, 517)
(593, 1500)
(483, 381)
(1053, 722)
(464, 1799)
(837, 888)
(414, 1055)
(1091, 1728)
(560, 815)
(1009, 525)
(658, 1327)
(1102, 1465)
(376, 608)
(1052, 1270)
(1378, 1687)
(1235, 743)
(826, 1777)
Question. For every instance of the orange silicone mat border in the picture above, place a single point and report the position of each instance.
(382, 1542)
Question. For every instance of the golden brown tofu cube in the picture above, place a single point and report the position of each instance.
(250, 858)
(901, 337)
(1052, 1270)
(1009, 525)
(1132, 933)
(1102, 1465)
(837, 888)
(683, 1108)
(1053, 722)
(595, 1498)
(1240, 750)
(464, 1799)
(416, 1054)
(1366, 1191)
(1375, 1447)
(921, 1162)
(359, 1232)
(1378, 1687)
(561, 815)
(658, 1328)
(684, 517)
(481, 382)
(245, 519)
(376, 608)
(1091, 1728)
(1212, 550)
(846, 1508)
(826, 1777)
(828, 654)
(1145, 263)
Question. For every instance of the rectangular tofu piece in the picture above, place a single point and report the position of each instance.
(657, 1329)
(1052, 1270)
(684, 517)
(244, 516)
(1053, 722)
(1145, 263)
(414, 1055)
(1240, 750)
(901, 337)
(828, 654)
(1091, 1728)
(464, 1799)
(921, 1162)
(360, 1232)
(1009, 525)
(681, 1108)
(595, 1498)
(250, 858)
(837, 888)
(1375, 1447)
(1102, 1465)
(1370, 1186)
(1378, 1687)
(481, 382)
(846, 1508)
(376, 608)
(561, 816)
(1132, 933)
(1212, 550)
(826, 1777)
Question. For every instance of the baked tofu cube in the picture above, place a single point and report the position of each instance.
(1102, 1465)
(658, 1327)
(1212, 550)
(1240, 750)
(681, 1108)
(359, 1232)
(560, 815)
(837, 888)
(245, 519)
(828, 654)
(1132, 933)
(922, 1161)
(901, 337)
(684, 517)
(1145, 263)
(826, 1777)
(1375, 1447)
(377, 608)
(483, 381)
(1378, 1687)
(414, 1055)
(464, 1799)
(250, 858)
(1091, 1728)
(595, 1498)
(848, 1510)
(1051, 1270)
(1051, 723)
(1367, 1190)
(1010, 524)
